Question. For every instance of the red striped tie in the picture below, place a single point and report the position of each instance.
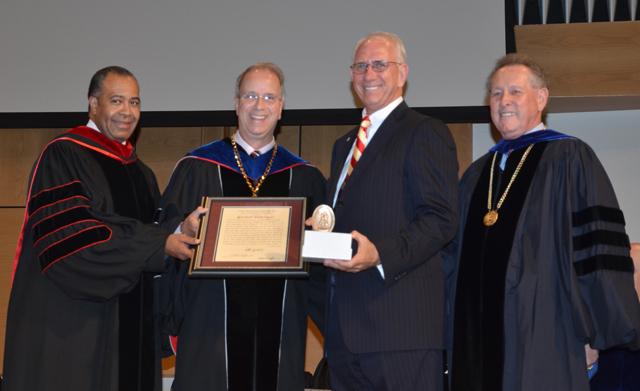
(361, 143)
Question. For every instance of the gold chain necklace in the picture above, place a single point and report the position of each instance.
(256, 188)
(491, 216)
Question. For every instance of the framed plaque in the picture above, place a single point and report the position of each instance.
(250, 237)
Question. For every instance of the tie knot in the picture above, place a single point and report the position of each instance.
(365, 122)
(255, 154)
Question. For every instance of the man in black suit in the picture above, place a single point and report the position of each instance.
(394, 187)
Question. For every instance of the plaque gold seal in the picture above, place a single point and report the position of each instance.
(323, 219)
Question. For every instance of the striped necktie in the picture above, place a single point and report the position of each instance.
(361, 143)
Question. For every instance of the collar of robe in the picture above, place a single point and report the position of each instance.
(508, 146)
(121, 151)
(221, 152)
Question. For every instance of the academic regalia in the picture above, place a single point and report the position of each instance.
(239, 333)
(80, 313)
(551, 275)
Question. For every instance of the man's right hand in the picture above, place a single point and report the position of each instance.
(190, 225)
(180, 246)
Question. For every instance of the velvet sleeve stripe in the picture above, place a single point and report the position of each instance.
(55, 194)
(599, 237)
(70, 199)
(64, 218)
(72, 244)
(599, 241)
(598, 213)
(604, 262)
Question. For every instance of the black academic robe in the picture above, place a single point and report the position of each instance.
(211, 317)
(552, 275)
(80, 313)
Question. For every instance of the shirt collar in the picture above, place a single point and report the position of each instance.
(538, 128)
(536, 135)
(93, 126)
(380, 115)
(249, 149)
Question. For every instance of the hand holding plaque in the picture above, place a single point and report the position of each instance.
(321, 243)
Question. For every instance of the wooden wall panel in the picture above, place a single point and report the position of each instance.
(18, 151)
(585, 61)
(161, 148)
(210, 134)
(317, 143)
(289, 137)
(10, 225)
(315, 350)
(463, 137)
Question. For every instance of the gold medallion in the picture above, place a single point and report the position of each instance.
(323, 219)
(490, 218)
(236, 155)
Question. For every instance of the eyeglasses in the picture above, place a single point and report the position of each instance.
(377, 66)
(252, 97)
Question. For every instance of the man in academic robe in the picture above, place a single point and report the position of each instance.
(242, 333)
(540, 275)
(393, 187)
(80, 313)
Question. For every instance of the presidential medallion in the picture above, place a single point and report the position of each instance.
(490, 218)
(323, 219)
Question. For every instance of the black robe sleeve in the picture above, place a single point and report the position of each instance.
(606, 309)
(81, 244)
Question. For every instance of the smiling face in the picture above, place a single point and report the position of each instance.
(377, 89)
(116, 109)
(257, 116)
(516, 103)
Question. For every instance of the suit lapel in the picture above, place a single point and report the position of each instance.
(377, 143)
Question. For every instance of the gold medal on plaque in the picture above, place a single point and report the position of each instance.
(490, 218)
(323, 219)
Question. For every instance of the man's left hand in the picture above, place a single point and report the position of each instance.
(591, 355)
(366, 257)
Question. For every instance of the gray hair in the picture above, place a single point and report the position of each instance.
(401, 51)
(538, 79)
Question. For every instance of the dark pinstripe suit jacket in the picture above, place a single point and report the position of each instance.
(402, 195)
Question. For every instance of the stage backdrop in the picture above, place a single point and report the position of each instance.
(188, 53)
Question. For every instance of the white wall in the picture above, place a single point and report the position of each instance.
(188, 53)
(614, 136)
